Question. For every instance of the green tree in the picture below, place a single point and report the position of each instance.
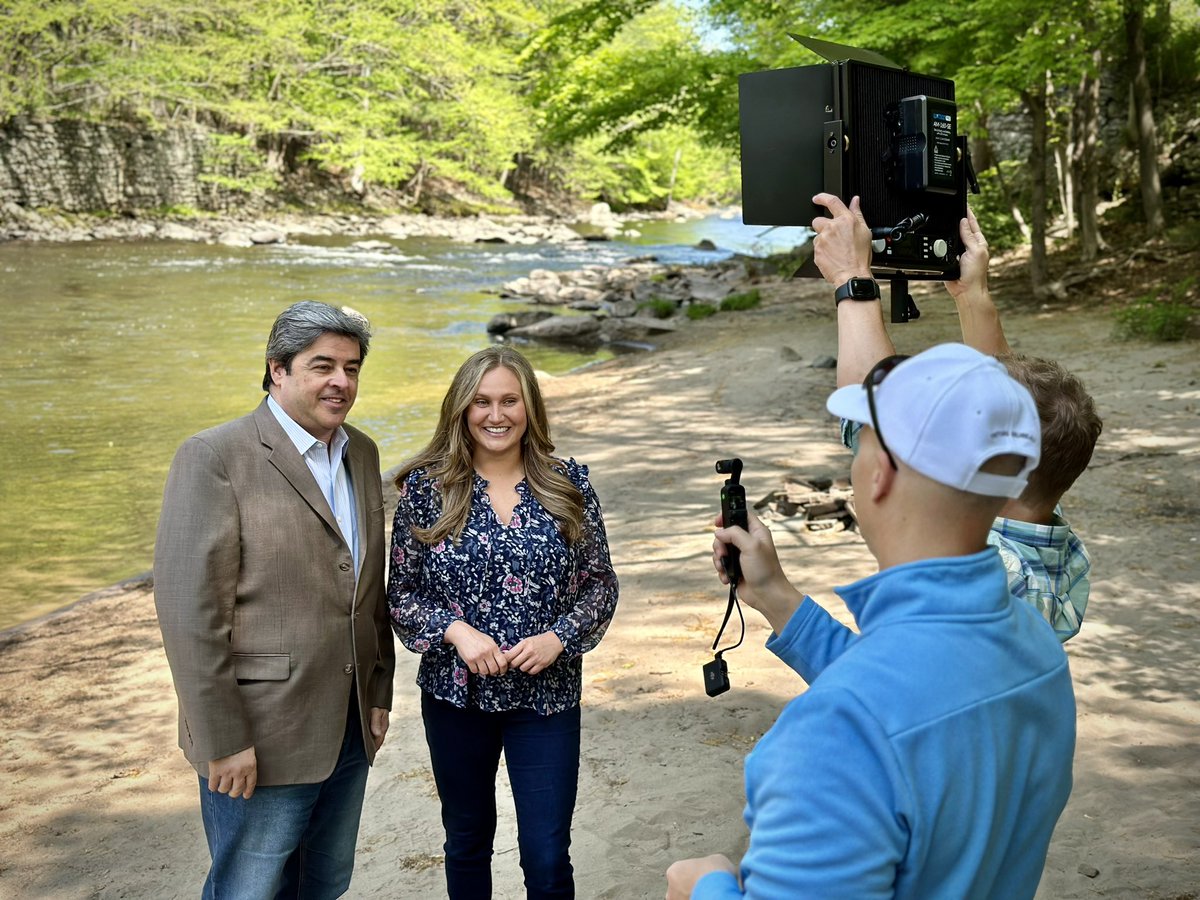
(617, 98)
(1003, 55)
(626, 98)
(1143, 117)
(382, 91)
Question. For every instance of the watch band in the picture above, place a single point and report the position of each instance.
(857, 289)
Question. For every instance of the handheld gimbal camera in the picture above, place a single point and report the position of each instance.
(733, 512)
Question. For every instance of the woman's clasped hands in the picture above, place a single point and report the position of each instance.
(483, 656)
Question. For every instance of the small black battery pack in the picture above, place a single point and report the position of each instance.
(716, 677)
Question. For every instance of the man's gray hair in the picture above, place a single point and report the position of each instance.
(303, 323)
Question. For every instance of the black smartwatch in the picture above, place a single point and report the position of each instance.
(858, 289)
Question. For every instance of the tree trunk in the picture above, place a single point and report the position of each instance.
(1087, 158)
(416, 184)
(282, 152)
(674, 172)
(1061, 152)
(358, 174)
(1066, 182)
(1143, 115)
(1035, 101)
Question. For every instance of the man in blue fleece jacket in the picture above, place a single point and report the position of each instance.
(931, 757)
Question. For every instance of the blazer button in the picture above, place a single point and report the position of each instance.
(345, 567)
(348, 668)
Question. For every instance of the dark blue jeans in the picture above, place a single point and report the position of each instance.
(542, 755)
(289, 840)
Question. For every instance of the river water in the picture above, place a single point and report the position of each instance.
(118, 351)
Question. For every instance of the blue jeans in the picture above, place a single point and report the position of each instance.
(288, 840)
(542, 755)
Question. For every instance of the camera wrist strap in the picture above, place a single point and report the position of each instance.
(733, 604)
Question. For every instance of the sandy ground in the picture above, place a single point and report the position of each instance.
(98, 802)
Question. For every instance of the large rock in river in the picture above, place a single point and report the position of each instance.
(583, 329)
(502, 323)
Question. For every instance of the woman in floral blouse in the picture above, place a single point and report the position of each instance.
(501, 579)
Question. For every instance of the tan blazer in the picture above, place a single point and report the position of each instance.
(263, 626)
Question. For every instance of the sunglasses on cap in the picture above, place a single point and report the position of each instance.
(874, 378)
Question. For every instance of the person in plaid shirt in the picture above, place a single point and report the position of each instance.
(1047, 563)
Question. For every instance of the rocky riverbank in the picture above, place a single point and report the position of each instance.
(598, 222)
(629, 303)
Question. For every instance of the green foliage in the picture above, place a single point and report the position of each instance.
(991, 209)
(1185, 232)
(623, 68)
(700, 310)
(993, 49)
(706, 173)
(658, 307)
(638, 175)
(232, 162)
(625, 179)
(631, 101)
(747, 300)
(1157, 318)
(388, 92)
(378, 90)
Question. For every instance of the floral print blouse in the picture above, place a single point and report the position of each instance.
(508, 581)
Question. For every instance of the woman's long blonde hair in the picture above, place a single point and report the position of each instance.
(447, 457)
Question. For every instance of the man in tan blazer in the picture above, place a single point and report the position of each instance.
(269, 583)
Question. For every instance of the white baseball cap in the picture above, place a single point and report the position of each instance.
(946, 412)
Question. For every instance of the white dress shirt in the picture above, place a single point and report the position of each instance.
(329, 469)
